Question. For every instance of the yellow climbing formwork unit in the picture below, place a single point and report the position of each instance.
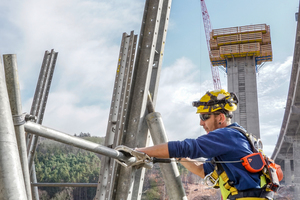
(240, 41)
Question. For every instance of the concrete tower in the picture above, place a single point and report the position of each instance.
(241, 50)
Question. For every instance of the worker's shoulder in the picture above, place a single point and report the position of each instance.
(230, 132)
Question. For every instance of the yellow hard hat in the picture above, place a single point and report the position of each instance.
(216, 100)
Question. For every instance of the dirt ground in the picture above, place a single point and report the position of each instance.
(201, 192)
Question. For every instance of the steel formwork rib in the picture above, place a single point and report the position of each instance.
(129, 181)
(38, 109)
(117, 114)
(135, 126)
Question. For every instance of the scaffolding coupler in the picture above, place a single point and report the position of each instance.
(141, 159)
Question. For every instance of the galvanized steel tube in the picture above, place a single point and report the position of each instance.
(65, 138)
(65, 184)
(34, 189)
(11, 177)
(170, 171)
(13, 89)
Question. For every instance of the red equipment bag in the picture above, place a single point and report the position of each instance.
(254, 162)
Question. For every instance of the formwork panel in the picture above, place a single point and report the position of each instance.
(229, 39)
(213, 44)
(253, 28)
(250, 48)
(266, 50)
(224, 31)
(251, 37)
(215, 55)
(229, 50)
(266, 38)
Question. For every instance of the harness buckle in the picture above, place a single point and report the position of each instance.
(210, 180)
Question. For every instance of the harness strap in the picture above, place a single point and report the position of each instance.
(252, 198)
(227, 185)
(247, 136)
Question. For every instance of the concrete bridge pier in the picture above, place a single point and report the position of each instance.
(296, 152)
(287, 172)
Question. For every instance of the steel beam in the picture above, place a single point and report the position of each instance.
(13, 89)
(11, 177)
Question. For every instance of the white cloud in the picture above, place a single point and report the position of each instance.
(179, 87)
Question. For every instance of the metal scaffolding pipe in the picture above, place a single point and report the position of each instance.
(170, 171)
(34, 189)
(13, 89)
(11, 177)
(65, 138)
(65, 184)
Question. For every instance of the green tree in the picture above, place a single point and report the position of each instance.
(61, 163)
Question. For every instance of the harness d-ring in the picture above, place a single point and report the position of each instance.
(211, 179)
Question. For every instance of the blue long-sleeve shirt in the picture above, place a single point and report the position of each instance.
(225, 144)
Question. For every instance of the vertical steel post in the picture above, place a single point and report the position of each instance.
(163, 22)
(13, 89)
(117, 114)
(34, 189)
(130, 180)
(159, 50)
(11, 179)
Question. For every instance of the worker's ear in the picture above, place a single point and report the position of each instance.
(222, 117)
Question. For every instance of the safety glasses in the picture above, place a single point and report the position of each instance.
(205, 117)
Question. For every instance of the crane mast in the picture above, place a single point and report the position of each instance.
(208, 29)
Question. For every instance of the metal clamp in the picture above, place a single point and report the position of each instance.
(141, 159)
(210, 179)
(29, 117)
(19, 119)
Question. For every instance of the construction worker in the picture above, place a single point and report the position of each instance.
(224, 146)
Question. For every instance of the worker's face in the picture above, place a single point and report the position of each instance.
(209, 124)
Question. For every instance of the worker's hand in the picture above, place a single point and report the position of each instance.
(142, 159)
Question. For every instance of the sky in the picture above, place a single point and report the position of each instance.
(87, 36)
